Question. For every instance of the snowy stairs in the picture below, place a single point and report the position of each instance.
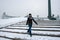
(16, 30)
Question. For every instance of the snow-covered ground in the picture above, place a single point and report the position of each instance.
(26, 36)
(4, 39)
(16, 31)
(6, 22)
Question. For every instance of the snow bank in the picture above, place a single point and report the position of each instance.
(6, 22)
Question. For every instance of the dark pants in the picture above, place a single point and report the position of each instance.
(29, 30)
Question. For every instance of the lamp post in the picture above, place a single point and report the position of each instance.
(49, 9)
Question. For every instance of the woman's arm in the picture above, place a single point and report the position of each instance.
(35, 21)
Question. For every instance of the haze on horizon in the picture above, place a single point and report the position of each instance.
(24, 7)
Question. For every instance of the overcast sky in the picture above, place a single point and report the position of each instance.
(24, 7)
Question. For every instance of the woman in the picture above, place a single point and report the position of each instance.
(29, 23)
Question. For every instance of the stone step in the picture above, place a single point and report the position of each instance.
(19, 25)
(50, 35)
(9, 35)
(4, 38)
(34, 32)
(33, 28)
(36, 26)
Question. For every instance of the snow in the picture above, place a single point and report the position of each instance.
(26, 36)
(36, 28)
(37, 32)
(4, 39)
(6, 22)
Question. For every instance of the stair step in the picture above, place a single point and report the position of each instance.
(33, 28)
(37, 32)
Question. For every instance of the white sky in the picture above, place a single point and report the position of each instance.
(24, 7)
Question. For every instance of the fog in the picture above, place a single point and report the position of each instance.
(24, 7)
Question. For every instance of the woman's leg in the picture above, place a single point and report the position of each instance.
(28, 30)
(30, 26)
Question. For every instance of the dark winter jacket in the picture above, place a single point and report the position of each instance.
(29, 21)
